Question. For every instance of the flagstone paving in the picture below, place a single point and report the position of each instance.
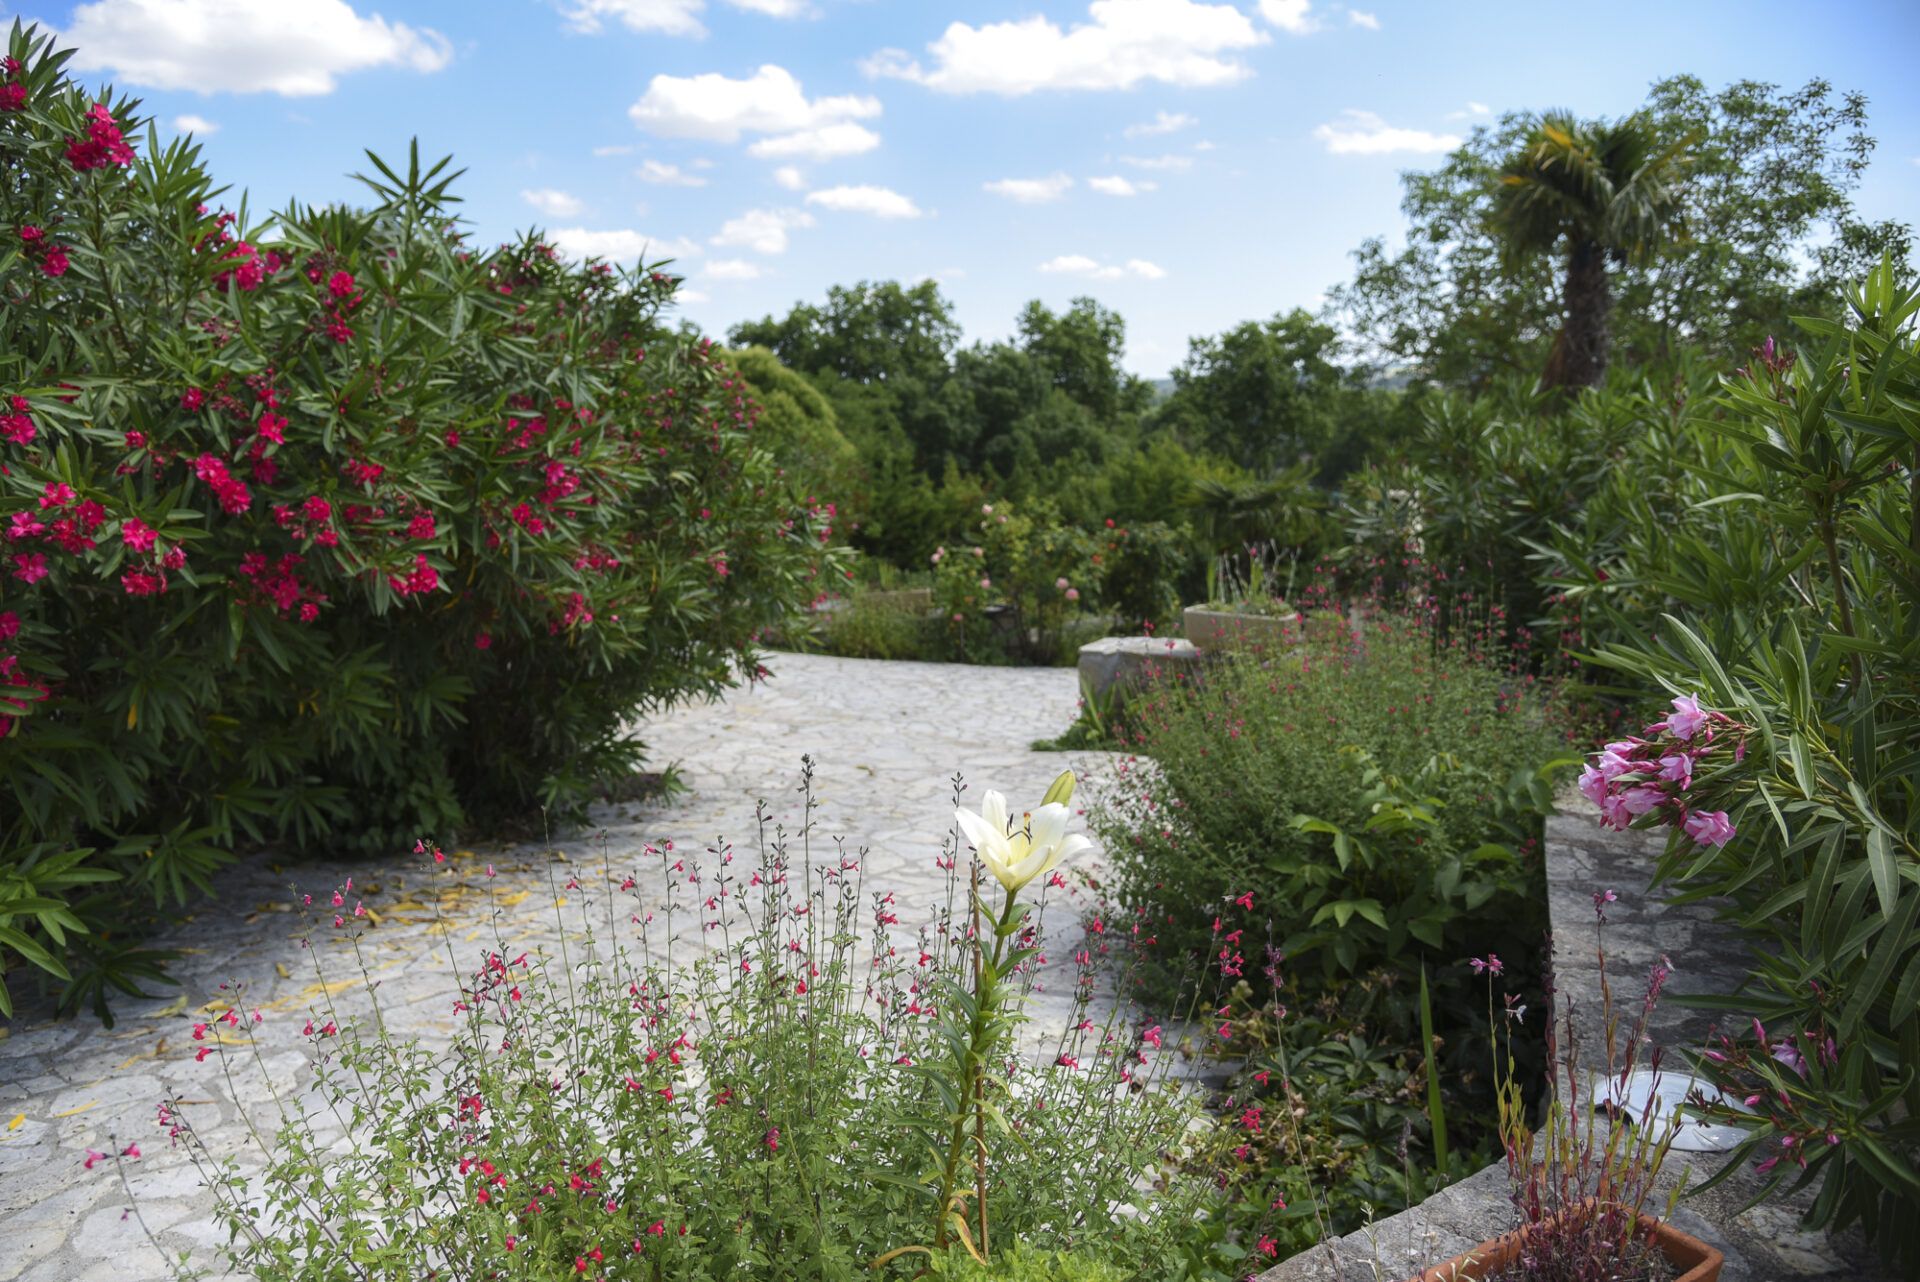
(886, 739)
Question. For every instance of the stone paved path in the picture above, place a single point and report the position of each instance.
(886, 738)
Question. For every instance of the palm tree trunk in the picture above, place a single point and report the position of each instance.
(1580, 352)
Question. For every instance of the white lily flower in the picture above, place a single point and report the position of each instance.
(1016, 854)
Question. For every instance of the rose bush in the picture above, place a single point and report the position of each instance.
(330, 530)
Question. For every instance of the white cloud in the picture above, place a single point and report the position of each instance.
(764, 231)
(1118, 186)
(552, 202)
(1081, 265)
(881, 202)
(721, 109)
(291, 47)
(1361, 133)
(790, 177)
(1158, 162)
(732, 269)
(620, 246)
(685, 295)
(668, 17)
(619, 149)
(661, 174)
(824, 143)
(1204, 145)
(1361, 18)
(1176, 42)
(1163, 122)
(1290, 16)
(1471, 109)
(191, 124)
(1031, 191)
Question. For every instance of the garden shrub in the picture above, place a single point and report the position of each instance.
(1773, 593)
(1013, 590)
(778, 1103)
(331, 530)
(1320, 827)
(1388, 791)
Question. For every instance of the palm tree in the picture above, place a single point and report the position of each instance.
(1611, 192)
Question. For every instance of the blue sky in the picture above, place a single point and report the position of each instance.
(1190, 163)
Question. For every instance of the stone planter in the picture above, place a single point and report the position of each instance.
(1212, 629)
(1692, 1259)
(1112, 665)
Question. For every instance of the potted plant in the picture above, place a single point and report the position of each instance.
(1582, 1184)
(1242, 610)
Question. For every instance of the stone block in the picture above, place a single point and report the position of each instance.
(1126, 662)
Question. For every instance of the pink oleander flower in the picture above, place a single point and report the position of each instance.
(1593, 784)
(1643, 799)
(1687, 719)
(138, 535)
(1678, 768)
(1613, 812)
(1709, 827)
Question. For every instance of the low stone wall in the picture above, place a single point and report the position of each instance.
(1764, 1244)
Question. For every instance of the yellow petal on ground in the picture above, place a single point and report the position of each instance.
(280, 969)
(18, 1118)
(474, 933)
(83, 1108)
(515, 899)
(178, 1007)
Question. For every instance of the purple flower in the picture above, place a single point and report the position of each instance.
(1789, 1054)
(1613, 812)
(1678, 768)
(1612, 765)
(1640, 800)
(1593, 785)
(1709, 827)
(1489, 965)
(1687, 719)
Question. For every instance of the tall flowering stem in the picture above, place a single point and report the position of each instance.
(1014, 852)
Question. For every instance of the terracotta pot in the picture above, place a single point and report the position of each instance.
(1225, 629)
(1692, 1259)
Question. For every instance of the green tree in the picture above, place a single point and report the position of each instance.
(1081, 349)
(1604, 191)
(1770, 189)
(799, 428)
(1264, 394)
(873, 332)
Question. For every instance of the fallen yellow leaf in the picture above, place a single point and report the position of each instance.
(280, 968)
(83, 1108)
(18, 1118)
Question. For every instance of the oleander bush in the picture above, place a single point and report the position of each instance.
(1777, 605)
(329, 529)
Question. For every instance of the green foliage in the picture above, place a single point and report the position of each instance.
(759, 1108)
(1815, 657)
(799, 428)
(333, 533)
(1388, 793)
(1770, 187)
(1265, 393)
(1603, 190)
